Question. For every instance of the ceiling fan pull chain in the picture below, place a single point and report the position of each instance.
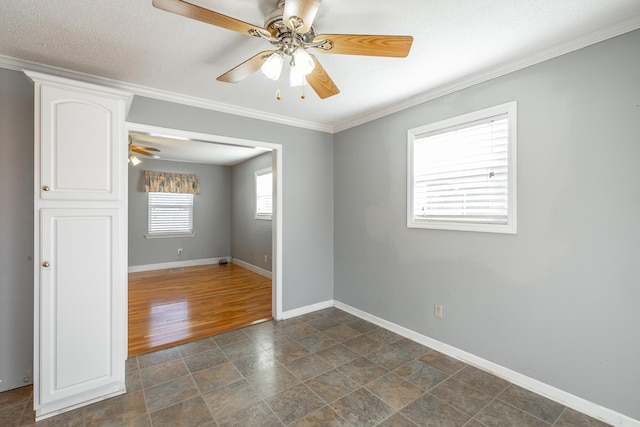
(302, 94)
(278, 97)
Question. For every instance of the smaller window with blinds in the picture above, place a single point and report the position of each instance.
(170, 214)
(264, 194)
(462, 172)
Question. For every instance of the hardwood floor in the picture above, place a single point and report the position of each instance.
(169, 307)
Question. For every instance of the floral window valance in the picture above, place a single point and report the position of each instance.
(166, 182)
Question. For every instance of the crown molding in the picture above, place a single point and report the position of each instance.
(627, 25)
(162, 95)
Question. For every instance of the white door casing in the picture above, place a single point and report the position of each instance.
(277, 217)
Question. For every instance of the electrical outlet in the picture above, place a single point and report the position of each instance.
(180, 252)
(437, 311)
(265, 258)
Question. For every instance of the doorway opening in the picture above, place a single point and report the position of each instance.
(211, 266)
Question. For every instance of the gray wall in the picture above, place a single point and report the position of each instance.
(307, 174)
(211, 215)
(251, 238)
(559, 301)
(16, 229)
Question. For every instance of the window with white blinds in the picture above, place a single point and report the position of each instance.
(462, 172)
(170, 213)
(264, 194)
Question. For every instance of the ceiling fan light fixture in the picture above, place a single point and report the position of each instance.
(296, 77)
(303, 61)
(133, 160)
(272, 67)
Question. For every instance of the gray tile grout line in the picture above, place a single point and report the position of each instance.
(303, 382)
(261, 398)
(300, 381)
(493, 398)
(190, 374)
(363, 386)
(201, 395)
(496, 397)
(472, 419)
(527, 412)
(282, 365)
(482, 409)
(476, 388)
(523, 411)
(398, 411)
(560, 416)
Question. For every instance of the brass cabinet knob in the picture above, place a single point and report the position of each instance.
(45, 188)
(45, 264)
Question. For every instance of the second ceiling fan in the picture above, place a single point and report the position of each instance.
(289, 28)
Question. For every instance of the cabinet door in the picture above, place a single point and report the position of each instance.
(81, 144)
(80, 319)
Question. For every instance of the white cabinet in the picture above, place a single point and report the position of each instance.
(80, 277)
(79, 256)
(80, 160)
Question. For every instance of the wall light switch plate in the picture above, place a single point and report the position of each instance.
(437, 311)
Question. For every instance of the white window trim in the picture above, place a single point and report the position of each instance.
(167, 235)
(511, 226)
(258, 173)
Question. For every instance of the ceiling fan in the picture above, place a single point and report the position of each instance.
(139, 149)
(289, 28)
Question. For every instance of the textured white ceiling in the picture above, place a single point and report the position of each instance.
(455, 42)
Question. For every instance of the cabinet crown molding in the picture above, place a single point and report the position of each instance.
(48, 79)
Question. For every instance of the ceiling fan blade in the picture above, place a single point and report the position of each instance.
(305, 12)
(245, 69)
(320, 81)
(192, 11)
(365, 44)
(139, 151)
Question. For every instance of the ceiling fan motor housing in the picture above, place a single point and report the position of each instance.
(274, 23)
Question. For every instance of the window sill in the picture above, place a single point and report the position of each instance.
(263, 217)
(509, 228)
(168, 235)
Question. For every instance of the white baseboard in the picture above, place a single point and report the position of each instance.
(251, 267)
(11, 383)
(306, 309)
(176, 264)
(567, 399)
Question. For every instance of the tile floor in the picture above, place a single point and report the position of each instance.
(326, 368)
